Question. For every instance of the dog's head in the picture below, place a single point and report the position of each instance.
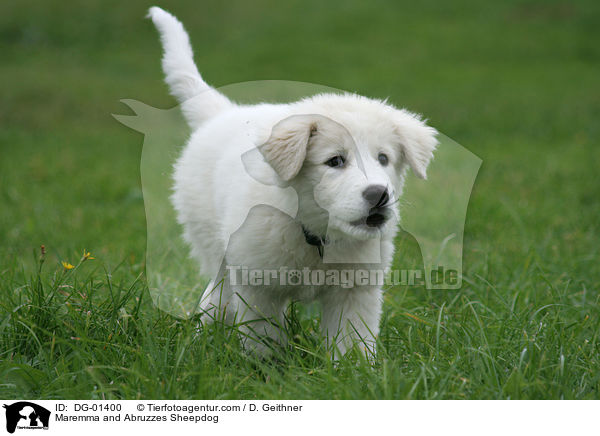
(348, 166)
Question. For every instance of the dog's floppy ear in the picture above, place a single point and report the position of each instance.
(418, 141)
(285, 150)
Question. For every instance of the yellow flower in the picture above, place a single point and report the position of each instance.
(87, 255)
(67, 265)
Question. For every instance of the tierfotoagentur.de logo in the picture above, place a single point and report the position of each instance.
(24, 415)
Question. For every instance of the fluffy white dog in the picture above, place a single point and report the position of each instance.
(308, 188)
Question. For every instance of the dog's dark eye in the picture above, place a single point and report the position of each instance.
(336, 162)
(383, 159)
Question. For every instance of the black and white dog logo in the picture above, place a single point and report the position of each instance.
(26, 415)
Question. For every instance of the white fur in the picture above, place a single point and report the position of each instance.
(232, 215)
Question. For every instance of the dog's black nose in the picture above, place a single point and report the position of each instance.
(376, 195)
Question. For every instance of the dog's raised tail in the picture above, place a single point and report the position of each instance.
(199, 102)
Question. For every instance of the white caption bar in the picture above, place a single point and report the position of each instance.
(256, 417)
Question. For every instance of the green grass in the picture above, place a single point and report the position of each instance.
(514, 82)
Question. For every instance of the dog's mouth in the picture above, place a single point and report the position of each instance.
(375, 219)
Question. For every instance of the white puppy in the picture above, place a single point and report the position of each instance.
(308, 188)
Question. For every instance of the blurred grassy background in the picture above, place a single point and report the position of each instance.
(516, 82)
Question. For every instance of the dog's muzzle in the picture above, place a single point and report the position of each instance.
(377, 196)
(375, 219)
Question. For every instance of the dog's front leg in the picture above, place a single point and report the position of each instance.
(260, 315)
(351, 316)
